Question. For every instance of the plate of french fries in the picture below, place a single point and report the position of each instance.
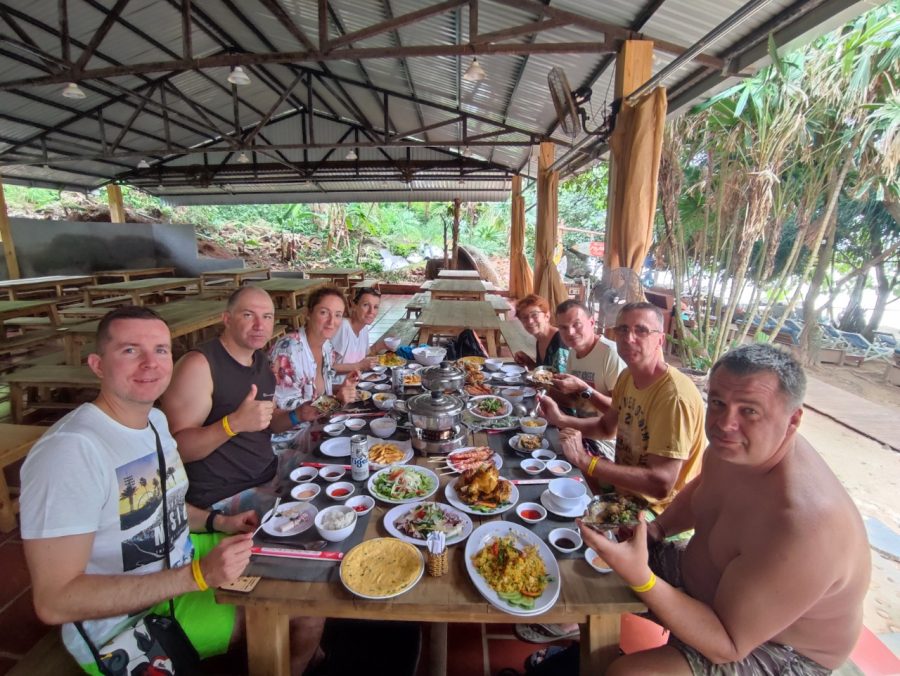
(386, 453)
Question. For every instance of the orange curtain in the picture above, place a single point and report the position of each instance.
(521, 279)
(547, 282)
(636, 146)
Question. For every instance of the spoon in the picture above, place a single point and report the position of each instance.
(537, 402)
(269, 517)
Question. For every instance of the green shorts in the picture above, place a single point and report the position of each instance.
(209, 625)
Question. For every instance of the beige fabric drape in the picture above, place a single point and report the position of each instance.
(521, 279)
(636, 145)
(547, 282)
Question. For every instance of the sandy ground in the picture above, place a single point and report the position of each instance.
(866, 381)
(871, 474)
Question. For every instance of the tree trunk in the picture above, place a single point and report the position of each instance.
(853, 318)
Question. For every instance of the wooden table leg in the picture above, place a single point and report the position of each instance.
(492, 343)
(268, 641)
(599, 643)
(72, 349)
(437, 649)
(7, 511)
(16, 402)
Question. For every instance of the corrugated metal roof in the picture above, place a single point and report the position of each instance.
(414, 108)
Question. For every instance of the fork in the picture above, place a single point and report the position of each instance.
(269, 517)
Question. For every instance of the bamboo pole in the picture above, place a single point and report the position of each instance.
(116, 207)
(9, 249)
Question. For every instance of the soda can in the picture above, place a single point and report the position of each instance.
(359, 457)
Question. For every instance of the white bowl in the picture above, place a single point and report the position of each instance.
(392, 342)
(365, 385)
(355, 424)
(559, 467)
(558, 534)
(543, 455)
(512, 380)
(513, 369)
(383, 427)
(338, 534)
(593, 558)
(567, 493)
(332, 473)
(384, 400)
(531, 507)
(532, 466)
(536, 429)
(494, 364)
(305, 492)
(339, 418)
(333, 429)
(429, 356)
(336, 490)
(378, 368)
(514, 395)
(382, 387)
(304, 475)
(361, 504)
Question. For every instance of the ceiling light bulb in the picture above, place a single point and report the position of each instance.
(238, 76)
(243, 158)
(352, 155)
(461, 182)
(474, 73)
(143, 164)
(73, 91)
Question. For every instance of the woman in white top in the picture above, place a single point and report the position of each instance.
(351, 344)
(303, 361)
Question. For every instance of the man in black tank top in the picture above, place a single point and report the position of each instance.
(221, 413)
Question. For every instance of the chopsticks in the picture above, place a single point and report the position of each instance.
(524, 482)
(296, 554)
(269, 517)
(320, 465)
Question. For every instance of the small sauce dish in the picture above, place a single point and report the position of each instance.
(531, 512)
(332, 472)
(565, 540)
(305, 492)
(340, 490)
(532, 466)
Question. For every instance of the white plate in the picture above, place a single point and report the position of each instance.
(363, 395)
(548, 502)
(506, 424)
(514, 444)
(303, 519)
(338, 447)
(496, 458)
(398, 501)
(505, 411)
(486, 534)
(513, 369)
(386, 596)
(454, 499)
(372, 377)
(401, 510)
(405, 446)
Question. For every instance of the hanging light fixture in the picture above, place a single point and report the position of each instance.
(73, 91)
(474, 73)
(238, 76)
(352, 155)
(143, 164)
(243, 158)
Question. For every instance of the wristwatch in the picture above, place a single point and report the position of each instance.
(587, 392)
(213, 513)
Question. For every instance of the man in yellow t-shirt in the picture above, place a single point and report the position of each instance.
(656, 417)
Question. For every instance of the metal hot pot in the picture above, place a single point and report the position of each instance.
(443, 378)
(436, 416)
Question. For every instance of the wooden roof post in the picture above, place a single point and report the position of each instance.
(634, 66)
(454, 257)
(547, 281)
(116, 207)
(9, 249)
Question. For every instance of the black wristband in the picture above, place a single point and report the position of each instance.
(210, 519)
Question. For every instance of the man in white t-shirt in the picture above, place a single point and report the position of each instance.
(593, 365)
(91, 507)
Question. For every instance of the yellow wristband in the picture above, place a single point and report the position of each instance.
(198, 575)
(593, 465)
(647, 586)
(230, 432)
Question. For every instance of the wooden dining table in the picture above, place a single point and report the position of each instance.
(10, 309)
(129, 274)
(341, 277)
(450, 317)
(234, 277)
(458, 289)
(289, 294)
(53, 286)
(459, 274)
(137, 290)
(592, 600)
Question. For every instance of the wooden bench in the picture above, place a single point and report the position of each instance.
(15, 442)
(416, 303)
(501, 305)
(367, 284)
(29, 387)
(48, 656)
(517, 339)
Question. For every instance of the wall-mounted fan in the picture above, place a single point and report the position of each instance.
(618, 287)
(569, 105)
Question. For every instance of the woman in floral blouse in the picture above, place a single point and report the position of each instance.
(303, 361)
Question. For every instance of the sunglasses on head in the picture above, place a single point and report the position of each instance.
(365, 290)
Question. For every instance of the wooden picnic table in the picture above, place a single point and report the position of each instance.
(341, 277)
(45, 378)
(289, 294)
(15, 442)
(459, 274)
(10, 309)
(137, 289)
(50, 286)
(184, 317)
(234, 277)
(458, 289)
(127, 275)
(450, 317)
(593, 601)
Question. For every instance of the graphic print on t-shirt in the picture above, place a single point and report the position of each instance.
(632, 429)
(140, 509)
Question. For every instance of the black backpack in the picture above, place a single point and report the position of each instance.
(466, 344)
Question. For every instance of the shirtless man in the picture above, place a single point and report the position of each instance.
(774, 578)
